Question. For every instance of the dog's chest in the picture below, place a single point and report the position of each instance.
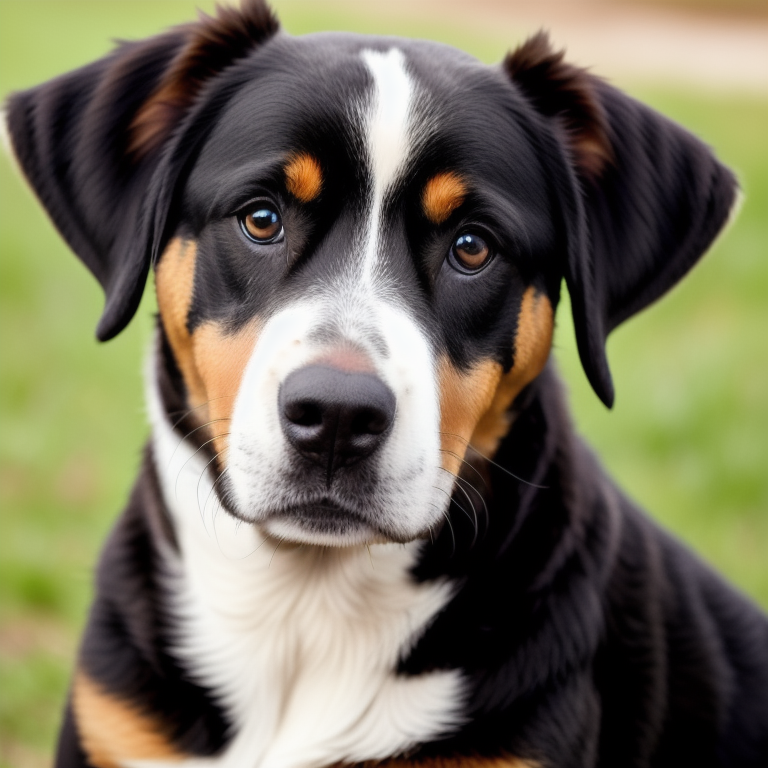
(300, 645)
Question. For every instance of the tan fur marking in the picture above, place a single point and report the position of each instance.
(464, 397)
(533, 341)
(113, 731)
(474, 405)
(221, 358)
(175, 280)
(211, 360)
(304, 177)
(471, 761)
(443, 194)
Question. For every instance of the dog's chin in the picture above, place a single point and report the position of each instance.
(322, 525)
(302, 531)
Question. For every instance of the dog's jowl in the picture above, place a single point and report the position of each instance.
(364, 530)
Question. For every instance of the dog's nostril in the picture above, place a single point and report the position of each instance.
(304, 413)
(369, 422)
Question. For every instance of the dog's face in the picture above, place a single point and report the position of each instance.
(356, 276)
(359, 245)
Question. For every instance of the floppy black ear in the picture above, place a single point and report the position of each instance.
(70, 136)
(90, 143)
(650, 197)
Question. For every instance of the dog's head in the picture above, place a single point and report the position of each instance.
(359, 245)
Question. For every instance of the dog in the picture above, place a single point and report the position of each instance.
(364, 531)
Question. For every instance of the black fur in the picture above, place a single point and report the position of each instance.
(589, 636)
(592, 637)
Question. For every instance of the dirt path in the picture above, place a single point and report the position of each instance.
(622, 40)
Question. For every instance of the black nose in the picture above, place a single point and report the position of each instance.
(334, 417)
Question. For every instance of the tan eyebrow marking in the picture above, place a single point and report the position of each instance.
(443, 194)
(304, 177)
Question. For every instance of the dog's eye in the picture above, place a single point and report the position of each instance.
(262, 225)
(470, 253)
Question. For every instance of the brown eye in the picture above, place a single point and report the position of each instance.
(470, 252)
(262, 225)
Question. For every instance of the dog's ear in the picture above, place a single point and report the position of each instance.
(649, 197)
(90, 143)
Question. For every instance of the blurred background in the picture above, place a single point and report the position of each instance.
(688, 437)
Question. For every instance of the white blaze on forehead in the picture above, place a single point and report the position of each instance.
(387, 137)
(388, 120)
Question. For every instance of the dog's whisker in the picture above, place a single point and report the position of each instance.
(444, 514)
(192, 432)
(472, 519)
(214, 514)
(256, 548)
(216, 480)
(280, 541)
(200, 448)
(471, 504)
(491, 461)
(190, 411)
(197, 492)
(447, 516)
(213, 487)
(203, 472)
(459, 479)
(453, 534)
(466, 463)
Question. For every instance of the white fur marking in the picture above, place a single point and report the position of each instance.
(387, 135)
(413, 490)
(299, 644)
(388, 140)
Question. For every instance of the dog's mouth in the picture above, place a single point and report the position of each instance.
(317, 520)
(357, 510)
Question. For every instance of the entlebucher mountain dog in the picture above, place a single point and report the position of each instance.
(364, 531)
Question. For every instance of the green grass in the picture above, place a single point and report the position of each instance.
(687, 437)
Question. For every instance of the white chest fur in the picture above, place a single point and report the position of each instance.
(299, 644)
